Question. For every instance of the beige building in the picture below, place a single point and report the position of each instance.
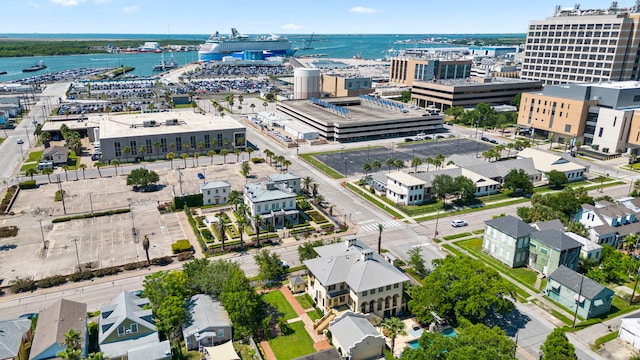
(583, 45)
(443, 94)
(406, 70)
(340, 86)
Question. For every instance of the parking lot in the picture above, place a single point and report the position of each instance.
(108, 240)
(351, 161)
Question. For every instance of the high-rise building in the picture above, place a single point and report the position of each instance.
(406, 70)
(576, 45)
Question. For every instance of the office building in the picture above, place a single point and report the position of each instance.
(406, 70)
(583, 45)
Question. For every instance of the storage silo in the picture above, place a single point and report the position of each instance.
(306, 83)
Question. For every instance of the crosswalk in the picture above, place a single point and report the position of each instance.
(374, 225)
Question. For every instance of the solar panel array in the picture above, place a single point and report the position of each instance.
(380, 103)
(338, 110)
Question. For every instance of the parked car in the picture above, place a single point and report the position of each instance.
(408, 140)
(458, 223)
(200, 176)
(20, 142)
(484, 138)
(493, 141)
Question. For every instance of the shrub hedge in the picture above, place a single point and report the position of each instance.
(180, 246)
(29, 184)
(88, 216)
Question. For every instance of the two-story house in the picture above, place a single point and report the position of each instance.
(124, 325)
(289, 181)
(608, 223)
(53, 323)
(15, 339)
(571, 289)
(507, 239)
(549, 249)
(208, 324)
(589, 250)
(352, 274)
(215, 192)
(275, 203)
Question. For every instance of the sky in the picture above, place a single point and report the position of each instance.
(279, 16)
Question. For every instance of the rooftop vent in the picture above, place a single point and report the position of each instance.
(171, 122)
(149, 123)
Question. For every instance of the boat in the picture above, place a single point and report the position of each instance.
(3, 72)
(240, 46)
(35, 67)
(166, 65)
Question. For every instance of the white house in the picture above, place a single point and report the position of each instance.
(275, 203)
(589, 250)
(288, 180)
(215, 192)
(355, 337)
(630, 330)
(545, 162)
(607, 222)
(404, 188)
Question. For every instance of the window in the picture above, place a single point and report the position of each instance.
(388, 287)
(380, 289)
(134, 328)
(364, 293)
(120, 330)
(373, 291)
(600, 132)
(395, 286)
(221, 333)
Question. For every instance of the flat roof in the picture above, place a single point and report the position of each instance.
(117, 126)
(494, 81)
(358, 113)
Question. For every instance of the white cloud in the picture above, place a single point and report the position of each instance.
(129, 9)
(363, 10)
(101, 1)
(67, 2)
(291, 27)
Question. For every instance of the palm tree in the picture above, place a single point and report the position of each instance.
(391, 328)
(184, 157)
(30, 172)
(286, 163)
(200, 146)
(126, 151)
(380, 228)
(314, 189)
(428, 161)
(45, 138)
(265, 105)
(226, 143)
(398, 164)
(211, 154)
(366, 167)
(438, 161)
(252, 106)
(186, 147)
(318, 199)
(268, 153)
(376, 165)
(141, 150)
(249, 151)
(156, 148)
(389, 163)
(550, 137)
(83, 167)
(214, 143)
(415, 162)
(222, 227)
(510, 146)
(48, 172)
(630, 242)
(245, 168)
(96, 356)
(499, 149)
(241, 222)
(257, 219)
(115, 164)
(224, 153)
(306, 183)
(234, 198)
(98, 165)
(170, 157)
(145, 246)
(196, 156)
(237, 153)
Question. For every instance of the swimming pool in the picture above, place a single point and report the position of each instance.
(413, 344)
(449, 332)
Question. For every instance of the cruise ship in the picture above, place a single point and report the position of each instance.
(240, 46)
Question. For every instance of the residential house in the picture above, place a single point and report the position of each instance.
(275, 203)
(327, 354)
(156, 351)
(209, 323)
(288, 181)
(15, 339)
(548, 249)
(53, 323)
(355, 337)
(630, 330)
(125, 325)
(506, 238)
(416, 188)
(632, 203)
(215, 192)
(545, 162)
(497, 170)
(569, 288)
(554, 224)
(11, 105)
(589, 250)
(351, 274)
(378, 181)
(607, 223)
(58, 155)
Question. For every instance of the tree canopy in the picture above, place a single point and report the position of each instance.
(269, 266)
(556, 179)
(461, 287)
(557, 347)
(473, 342)
(142, 177)
(518, 181)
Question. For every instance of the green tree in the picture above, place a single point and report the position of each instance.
(72, 342)
(557, 179)
(142, 177)
(366, 167)
(224, 153)
(630, 242)
(464, 188)
(45, 138)
(518, 182)
(389, 163)
(391, 328)
(557, 347)
(398, 164)
(461, 287)
(405, 97)
(415, 162)
(306, 251)
(167, 292)
(376, 165)
(416, 261)
(578, 228)
(455, 112)
(170, 156)
(442, 187)
(245, 169)
(269, 266)
(380, 229)
(30, 172)
(516, 100)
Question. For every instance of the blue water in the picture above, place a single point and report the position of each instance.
(414, 344)
(333, 46)
(450, 332)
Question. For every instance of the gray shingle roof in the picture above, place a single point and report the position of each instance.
(282, 177)
(350, 328)
(205, 312)
(11, 333)
(214, 185)
(571, 279)
(124, 306)
(554, 224)
(259, 192)
(511, 226)
(555, 239)
(328, 354)
(55, 321)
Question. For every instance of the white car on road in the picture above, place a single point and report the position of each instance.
(458, 223)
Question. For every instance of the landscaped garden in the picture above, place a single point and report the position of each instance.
(294, 344)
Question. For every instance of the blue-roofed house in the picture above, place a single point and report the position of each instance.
(209, 323)
(355, 337)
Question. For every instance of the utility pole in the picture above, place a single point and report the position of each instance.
(636, 284)
(435, 233)
(64, 208)
(575, 315)
(75, 242)
(42, 233)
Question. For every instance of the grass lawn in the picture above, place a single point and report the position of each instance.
(315, 314)
(374, 200)
(34, 156)
(277, 299)
(479, 208)
(293, 345)
(457, 236)
(305, 301)
(329, 171)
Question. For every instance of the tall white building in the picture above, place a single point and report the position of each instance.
(576, 45)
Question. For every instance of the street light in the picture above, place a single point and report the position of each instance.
(44, 243)
(21, 151)
(75, 242)
(91, 202)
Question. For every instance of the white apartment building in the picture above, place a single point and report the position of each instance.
(215, 192)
